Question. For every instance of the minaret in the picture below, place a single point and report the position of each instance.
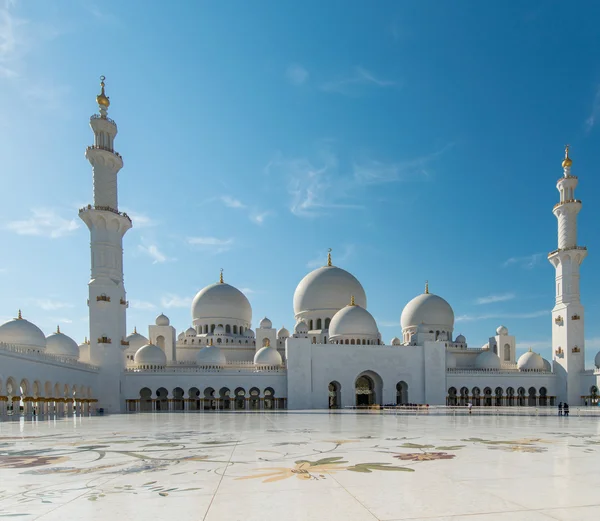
(568, 350)
(107, 303)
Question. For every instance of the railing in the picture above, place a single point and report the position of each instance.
(248, 367)
(106, 149)
(505, 370)
(104, 209)
(568, 249)
(105, 118)
(566, 177)
(27, 352)
(567, 201)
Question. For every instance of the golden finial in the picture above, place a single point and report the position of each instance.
(426, 286)
(57, 329)
(352, 303)
(211, 342)
(102, 98)
(267, 343)
(221, 277)
(19, 317)
(134, 330)
(85, 341)
(567, 161)
(530, 349)
(329, 257)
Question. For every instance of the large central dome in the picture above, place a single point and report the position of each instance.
(428, 309)
(327, 289)
(221, 301)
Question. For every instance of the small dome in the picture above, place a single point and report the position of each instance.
(248, 333)
(487, 360)
(162, 320)
(190, 331)
(327, 289)
(267, 355)
(283, 333)
(301, 328)
(460, 339)
(451, 360)
(530, 361)
(395, 341)
(136, 341)
(353, 321)
(219, 331)
(210, 355)
(150, 354)
(21, 332)
(502, 331)
(180, 336)
(597, 360)
(62, 345)
(265, 323)
(428, 309)
(221, 301)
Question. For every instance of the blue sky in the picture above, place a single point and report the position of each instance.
(419, 140)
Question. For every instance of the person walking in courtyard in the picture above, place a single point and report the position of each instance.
(566, 408)
(560, 409)
(470, 406)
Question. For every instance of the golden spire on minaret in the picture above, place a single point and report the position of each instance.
(567, 162)
(221, 277)
(426, 286)
(134, 330)
(352, 303)
(57, 329)
(102, 99)
(329, 257)
(19, 317)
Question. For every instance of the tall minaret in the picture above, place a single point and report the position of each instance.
(107, 303)
(568, 350)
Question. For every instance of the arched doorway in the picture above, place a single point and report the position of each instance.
(335, 397)
(594, 395)
(521, 396)
(240, 399)
(543, 397)
(476, 396)
(464, 396)
(532, 401)
(145, 400)
(254, 399)
(367, 388)
(269, 400)
(178, 399)
(402, 393)
(487, 397)
(451, 400)
(499, 394)
(225, 396)
(510, 396)
(210, 404)
(162, 402)
(194, 399)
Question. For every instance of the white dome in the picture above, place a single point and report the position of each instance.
(136, 341)
(283, 333)
(301, 328)
(248, 333)
(327, 289)
(210, 355)
(451, 360)
(353, 321)
(190, 331)
(267, 355)
(162, 320)
(427, 309)
(502, 331)
(395, 341)
(487, 360)
(221, 301)
(150, 354)
(530, 361)
(460, 339)
(21, 332)
(597, 360)
(62, 345)
(547, 365)
(219, 331)
(265, 323)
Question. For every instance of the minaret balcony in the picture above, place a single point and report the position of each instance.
(124, 343)
(559, 351)
(566, 177)
(104, 209)
(104, 340)
(105, 118)
(124, 302)
(576, 350)
(575, 317)
(567, 249)
(103, 298)
(567, 201)
(558, 320)
(104, 156)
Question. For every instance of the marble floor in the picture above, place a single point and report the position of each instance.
(300, 466)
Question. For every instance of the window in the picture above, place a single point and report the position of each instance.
(319, 324)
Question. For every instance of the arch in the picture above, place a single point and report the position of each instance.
(319, 323)
(451, 400)
(352, 342)
(160, 342)
(37, 389)
(521, 396)
(476, 395)
(265, 341)
(212, 328)
(487, 397)
(210, 403)
(178, 393)
(499, 392)
(314, 340)
(228, 329)
(510, 396)
(254, 398)
(240, 398)
(225, 398)
(327, 322)
(145, 399)
(48, 389)
(335, 395)
(507, 352)
(367, 388)
(162, 402)
(194, 399)
(25, 387)
(235, 330)
(310, 324)
(269, 398)
(532, 398)
(543, 401)
(593, 395)
(464, 396)
(402, 393)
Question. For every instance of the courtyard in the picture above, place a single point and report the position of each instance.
(301, 465)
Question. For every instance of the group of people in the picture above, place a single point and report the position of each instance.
(563, 409)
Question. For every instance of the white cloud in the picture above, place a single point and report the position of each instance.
(152, 250)
(211, 244)
(230, 202)
(352, 84)
(43, 222)
(49, 304)
(490, 299)
(175, 301)
(527, 262)
(595, 112)
(259, 218)
(141, 304)
(500, 316)
(140, 220)
(296, 74)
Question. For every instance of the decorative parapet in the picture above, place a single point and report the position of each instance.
(566, 177)
(559, 351)
(237, 367)
(105, 118)
(568, 249)
(104, 209)
(124, 302)
(104, 340)
(575, 317)
(562, 202)
(576, 350)
(495, 371)
(124, 343)
(558, 320)
(36, 355)
(103, 298)
(107, 149)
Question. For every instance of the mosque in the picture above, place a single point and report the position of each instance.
(333, 357)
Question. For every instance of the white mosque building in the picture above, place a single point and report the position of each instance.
(333, 357)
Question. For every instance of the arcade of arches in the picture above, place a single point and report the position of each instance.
(367, 391)
(500, 397)
(208, 399)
